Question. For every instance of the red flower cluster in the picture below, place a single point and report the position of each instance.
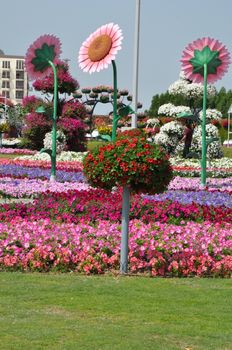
(142, 166)
(74, 109)
(74, 130)
(130, 134)
(66, 84)
(30, 103)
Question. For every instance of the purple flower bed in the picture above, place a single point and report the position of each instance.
(34, 173)
(215, 199)
(31, 187)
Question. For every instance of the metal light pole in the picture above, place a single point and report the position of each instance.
(229, 132)
(136, 65)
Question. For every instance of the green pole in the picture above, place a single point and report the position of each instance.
(203, 157)
(115, 117)
(54, 118)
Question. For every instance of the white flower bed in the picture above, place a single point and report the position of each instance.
(11, 142)
(62, 157)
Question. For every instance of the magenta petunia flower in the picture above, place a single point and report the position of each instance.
(46, 48)
(101, 47)
(205, 51)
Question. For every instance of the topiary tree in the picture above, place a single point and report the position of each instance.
(134, 164)
(33, 132)
(66, 83)
(71, 114)
(74, 131)
(92, 96)
(169, 136)
(192, 94)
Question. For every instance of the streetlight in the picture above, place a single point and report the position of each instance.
(136, 64)
(229, 132)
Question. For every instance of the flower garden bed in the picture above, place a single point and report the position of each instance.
(69, 226)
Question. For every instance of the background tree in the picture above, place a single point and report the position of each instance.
(92, 96)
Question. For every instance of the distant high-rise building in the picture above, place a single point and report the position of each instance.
(13, 77)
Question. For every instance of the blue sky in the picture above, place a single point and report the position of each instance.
(166, 27)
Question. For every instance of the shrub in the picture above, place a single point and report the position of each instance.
(74, 131)
(66, 84)
(132, 162)
(4, 127)
(74, 109)
(130, 134)
(105, 130)
(37, 125)
(30, 103)
(224, 123)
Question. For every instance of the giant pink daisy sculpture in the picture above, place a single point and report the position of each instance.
(41, 59)
(97, 52)
(45, 49)
(205, 51)
(100, 48)
(205, 60)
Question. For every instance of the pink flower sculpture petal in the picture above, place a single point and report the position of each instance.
(46, 48)
(100, 48)
(189, 54)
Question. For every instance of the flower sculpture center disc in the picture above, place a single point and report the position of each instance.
(99, 48)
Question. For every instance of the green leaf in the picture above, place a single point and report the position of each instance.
(205, 56)
(42, 57)
(211, 139)
(45, 150)
(124, 111)
(105, 137)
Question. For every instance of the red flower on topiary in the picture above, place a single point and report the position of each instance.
(141, 166)
(74, 109)
(66, 84)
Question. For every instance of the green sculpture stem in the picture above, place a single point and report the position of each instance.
(54, 118)
(115, 116)
(204, 147)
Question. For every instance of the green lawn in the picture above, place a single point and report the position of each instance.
(227, 152)
(48, 311)
(94, 143)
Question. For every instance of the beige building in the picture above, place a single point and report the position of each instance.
(13, 77)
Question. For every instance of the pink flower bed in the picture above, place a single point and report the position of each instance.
(4, 150)
(193, 184)
(160, 249)
(31, 187)
(73, 227)
(67, 165)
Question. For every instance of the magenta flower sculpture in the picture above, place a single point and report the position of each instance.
(41, 59)
(97, 52)
(205, 60)
(205, 51)
(46, 48)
